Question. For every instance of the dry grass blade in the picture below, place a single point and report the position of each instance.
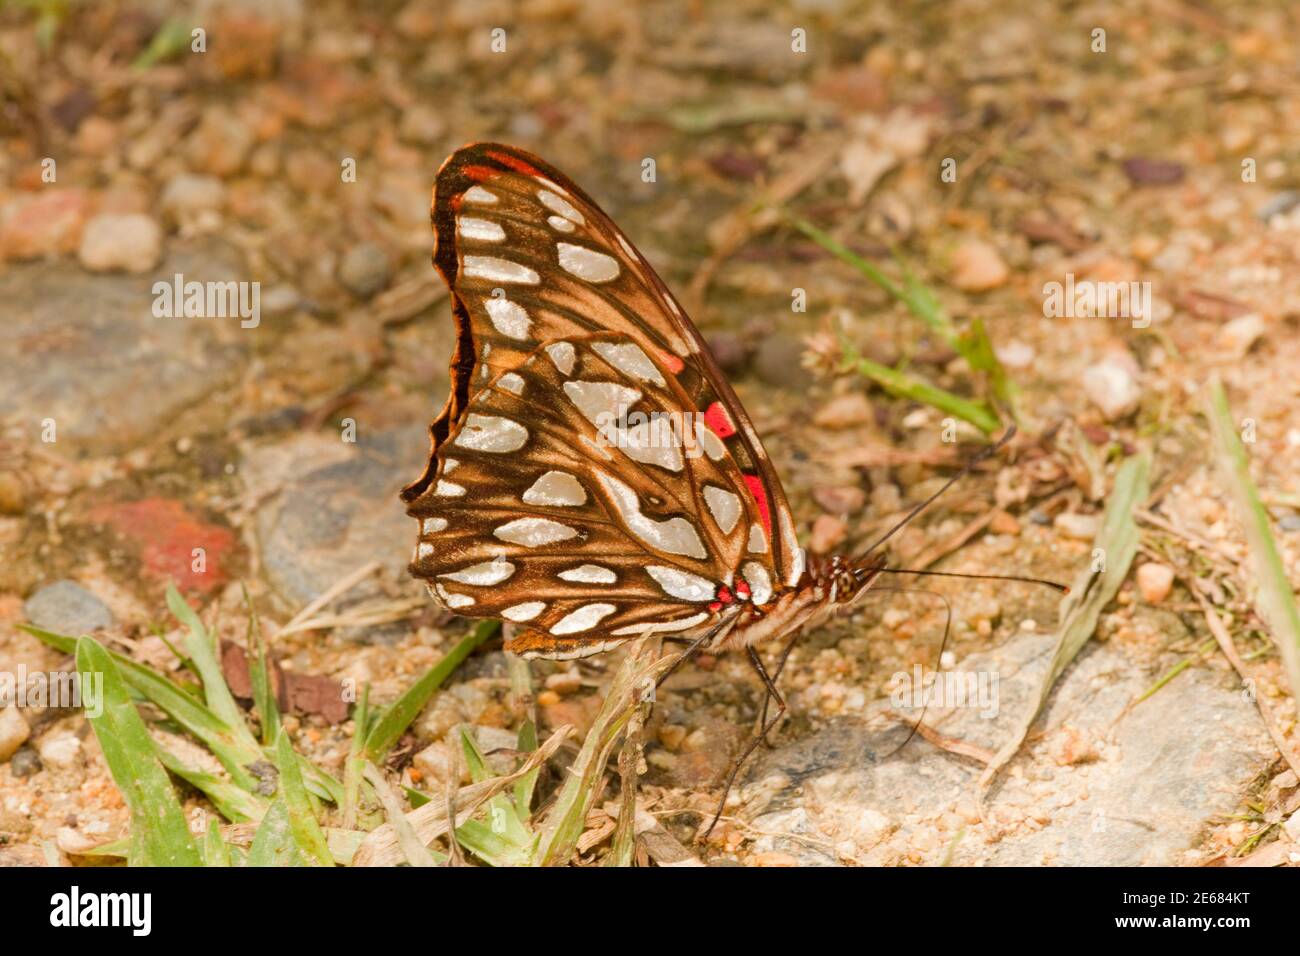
(1274, 599)
(382, 848)
(416, 853)
(1089, 593)
(567, 818)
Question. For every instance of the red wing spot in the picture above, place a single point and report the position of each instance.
(480, 174)
(671, 362)
(756, 489)
(719, 422)
(715, 606)
(456, 201)
(742, 589)
(724, 596)
(515, 163)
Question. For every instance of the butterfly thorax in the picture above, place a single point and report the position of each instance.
(827, 586)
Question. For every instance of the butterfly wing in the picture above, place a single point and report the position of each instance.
(576, 375)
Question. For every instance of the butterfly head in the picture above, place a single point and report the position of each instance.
(847, 579)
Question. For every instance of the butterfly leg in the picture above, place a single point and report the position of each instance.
(772, 694)
(776, 676)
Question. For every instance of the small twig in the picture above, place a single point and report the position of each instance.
(342, 586)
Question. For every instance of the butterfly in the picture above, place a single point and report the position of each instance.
(593, 477)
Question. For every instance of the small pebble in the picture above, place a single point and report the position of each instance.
(1237, 336)
(1077, 526)
(25, 762)
(672, 735)
(978, 267)
(565, 682)
(13, 732)
(1003, 523)
(1112, 386)
(13, 497)
(840, 499)
(1155, 581)
(828, 533)
(129, 243)
(845, 411)
(364, 270)
(60, 751)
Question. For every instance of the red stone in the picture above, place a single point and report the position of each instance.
(165, 533)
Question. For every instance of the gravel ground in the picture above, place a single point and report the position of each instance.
(994, 148)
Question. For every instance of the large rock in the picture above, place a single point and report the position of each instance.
(95, 359)
(342, 512)
(1092, 788)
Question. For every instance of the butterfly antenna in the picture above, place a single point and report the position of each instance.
(977, 459)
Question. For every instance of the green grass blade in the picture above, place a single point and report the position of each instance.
(394, 721)
(303, 826)
(273, 843)
(909, 386)
(1117, 541)
(525, 785)
(259, 674)
(160, 835)
(202, 650)
(233, 802)
(234, 749)
(1274, 599)
(215, 851)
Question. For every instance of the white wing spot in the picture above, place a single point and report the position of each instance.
(673, 535)
(560, 206)
(559, 224)
(562, 356)
(480, 195)
(556, 489)
(710, 442)
(601, 402)
(586, 263)
(484, 230)
(627, 247)
(512, 383)
(449, 489)
(523, 612)
(491, 433)
(484, 574)
(583, 619)
(423, 550)
(682, 584)
(499, 270)
(508, 318)
(534, 532)
(757, 539)
(789, 542)
(759, 581)
(724, 506)
(453, 600)
(628, 358)
(432, 525)
(654, 627)
(589, 574)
